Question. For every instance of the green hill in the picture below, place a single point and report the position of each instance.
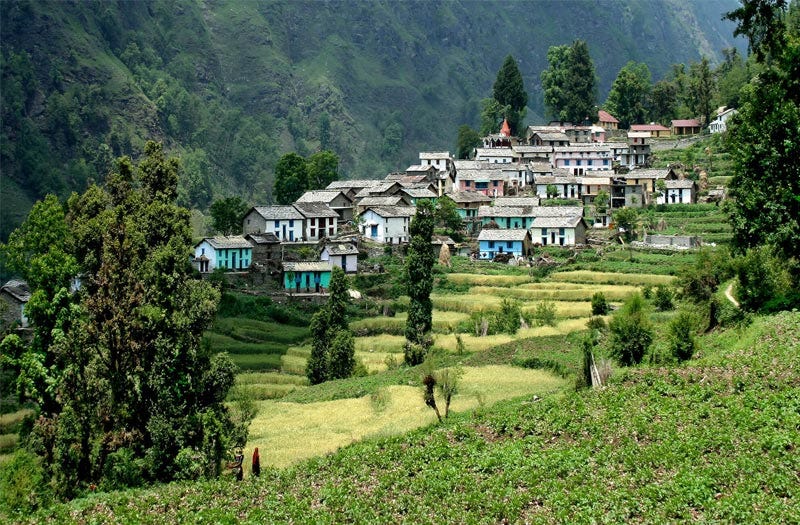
(231, 85)
(714, 440)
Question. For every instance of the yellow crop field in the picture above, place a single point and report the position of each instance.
(476, 344)
(638, 279)
(466, 303)
(286, 433)
(487, 280)
(380, 343)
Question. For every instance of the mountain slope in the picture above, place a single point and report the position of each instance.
(232, 85)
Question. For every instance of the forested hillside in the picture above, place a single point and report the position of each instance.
(231, 85)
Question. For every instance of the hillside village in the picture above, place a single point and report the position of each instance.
(554, 186)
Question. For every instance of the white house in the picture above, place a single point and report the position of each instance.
(387, 224)
(335, 199)
(583, 158)
(284, 221)
(319, 220)
(678, 192)
(343, 255)
(719, 124)
(441, 160)
(232, 253)
(494, 155)
(561, 231)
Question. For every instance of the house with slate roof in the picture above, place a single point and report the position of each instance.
(494, 242)
(335, 199)
(507, 217)
(352, 187)
(319, 220)
(678, 192)
(490, 182)
(343, 255)
(307, 277)
(286, 222)
(266, 250)
(234, 253)
(387, 224)
(561, 231)
(14, 295)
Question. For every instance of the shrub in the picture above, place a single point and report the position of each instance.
(189, 464)
(681, 336)
(545, 314)
(663, 298)
(647, 291)
(597, 324)
(122, 469)
(22, 484)
(508, 319)
(631, 332)
(447, 382)
(599, 304)
(700, 280)
(762, 277)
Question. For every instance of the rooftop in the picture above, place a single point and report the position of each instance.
(503, 235)
(221, 242)
(307, 266)
(19, 290)
(315, 209)
(277, 212)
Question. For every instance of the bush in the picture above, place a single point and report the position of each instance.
(189, 464)
(663, 298)
(545, 314)
(631, 332)
(700, 280)
(22, 484)
(597, 324)
(681, 337)
(762, 277)
(508, 319)
(599, 304)
(122, 469)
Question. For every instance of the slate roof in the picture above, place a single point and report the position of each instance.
(272, 213)
(468, 196)
(506, 211)
(592, 148)
(341, 249)
(503, 235)
(516, 201)
(263, 238)
(315, 209)
(540, 167)
(551, 136)
(17, 289)
(421, 167)
(556, 179)
(356, 183)
(679, 184)
(220, 242)
(325, 196)
(556, 222)
(420, 193)
(393, 200)
(647, 173)
(638, 134)
(471, 165)
(485, 174)
(532, 149)
(494, 152)
(381, 187)
(393, 211)
(307, 266)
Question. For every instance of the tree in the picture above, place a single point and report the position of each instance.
(631, 331)
(601, 202)
(681, 336)
(419, 282)
(447, 215)
(342, 361)
(322, 169)
(599, 304)
(332, 345)
(291, 178)
(317, 365)
(509, 92)
(702, 89)
(468, 139)
(626, 220)
(628, 96)
(663, 102)
(227, 215)
(764, 137)
(492, 113)
(570, 83)
(130, 381)
(552, 191)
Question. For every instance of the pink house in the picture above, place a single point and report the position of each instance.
(490, 182)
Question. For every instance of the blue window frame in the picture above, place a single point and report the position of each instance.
(277, 224)
(605, 162)
(291, 223)
(566, 162)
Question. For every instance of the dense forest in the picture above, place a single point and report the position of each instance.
(231, 86)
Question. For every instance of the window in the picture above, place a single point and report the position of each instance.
(467, 183)
(491, 244)
(314, 222)
(291, 223)
(590, 162)
(277, 224)
(566, 162)
(605, 162)
(494, 183)
(579, 162)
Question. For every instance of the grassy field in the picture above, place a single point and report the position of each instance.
(714, 440)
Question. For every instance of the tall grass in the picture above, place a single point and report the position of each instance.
(585, 276)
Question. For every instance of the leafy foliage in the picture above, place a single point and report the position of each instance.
(509, 92)
(599, 304)
(682, 339)
(227, 215)
(467, 140)
(631, 332)
(627, 99)
(332, 344)
(569, 83)
(419, 277)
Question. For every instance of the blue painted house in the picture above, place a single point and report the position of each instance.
(494, 242)
(507, 217)
(233, 253)
(307, 276)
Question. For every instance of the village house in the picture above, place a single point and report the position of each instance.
(507, 217)
(334, 199)
(307, 277)
(560, 231)
(566, 186)
(655, 130)
(343, 255)
(351, 187)
(441, 160)
(685, 127)
(232, 253)
(590, 186)
(523, 153)
(548, 138)
(678, 192)
(266, 250)
(582, 158)
(284, 221)
(494, 242)
(14, 295)
(467, 205)
(384, 188)
(720, 122)
(638, 153)
(387, 224)
(607, 121)
(516, 201)
(320, 221)
(494, 155)
(490, 182)
(395, 200)
(415, 194)
(516, 175)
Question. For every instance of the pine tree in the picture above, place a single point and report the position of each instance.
(419, 279)
(570, 83)
(509, 91)
(317, 365)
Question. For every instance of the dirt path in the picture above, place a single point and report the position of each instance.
(729, 295)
